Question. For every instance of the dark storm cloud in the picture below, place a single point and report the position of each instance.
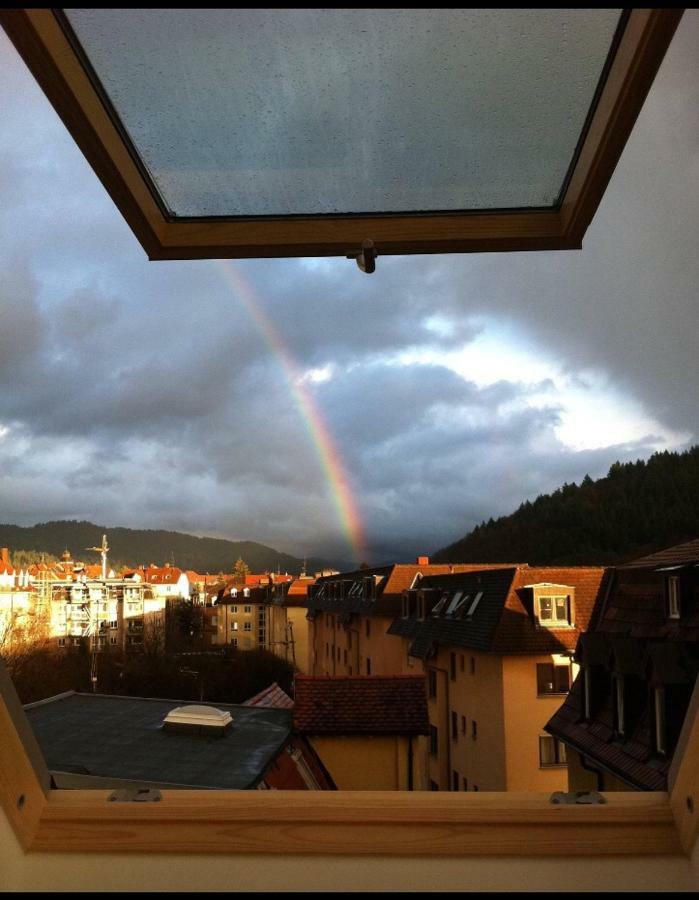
(144, 394)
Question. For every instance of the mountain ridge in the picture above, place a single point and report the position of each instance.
(637, 508)
(140, 546)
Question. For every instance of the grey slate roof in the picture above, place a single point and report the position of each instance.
(476, 633)
(122, 738)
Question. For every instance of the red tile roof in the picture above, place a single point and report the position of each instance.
(272, 696)
(164, 575)
(355, 705)
(516, 633)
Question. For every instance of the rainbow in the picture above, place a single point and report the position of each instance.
(325, 447)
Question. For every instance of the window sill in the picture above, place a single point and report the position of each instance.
(355, 823)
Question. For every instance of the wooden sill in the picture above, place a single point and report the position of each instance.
(357, 823)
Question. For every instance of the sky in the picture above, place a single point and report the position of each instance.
(318, 410)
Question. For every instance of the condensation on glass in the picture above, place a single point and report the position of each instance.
(243, 112)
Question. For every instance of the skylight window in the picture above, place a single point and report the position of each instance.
(440, 604)
(454, 602)
(474, 604)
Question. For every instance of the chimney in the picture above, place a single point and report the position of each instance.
(5, 556)
(423, 560)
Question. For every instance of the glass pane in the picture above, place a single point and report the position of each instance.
(296, 111)
(545, 608)
(544, 677)
(562, 609)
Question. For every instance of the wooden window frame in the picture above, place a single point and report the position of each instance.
(338, 823)
(43, 44)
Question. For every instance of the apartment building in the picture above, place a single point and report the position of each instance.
(350, 614)
(496, 647)
(238, 614)
(22, 616)
(287, 624)
(118, 613)
(639, 662)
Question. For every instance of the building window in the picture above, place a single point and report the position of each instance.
(234, 642)
(552, 679)
(455, 781)
(465, 785)
(552, 752)
(421, 607)
(475, 787)
(247, 626)
(368, 666)
(659, 709)
(454, 726)
(112, 641)
(247, 609)
(61, 642)
(432, 682)
(555, 611)
(619, 705)
(114, 624)
(234, 626)
(434, 786)
(234, 609)
(673, 597)
(463, 725)
(473, 665)
(434, 740)
(474, 730)
(452, 666)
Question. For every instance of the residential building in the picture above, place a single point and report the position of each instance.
(370, 731)
(240, 619)
(350, 614)
(496, 647)
(287, 623)
(639, 662)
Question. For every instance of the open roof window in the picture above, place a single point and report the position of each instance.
(294, 132)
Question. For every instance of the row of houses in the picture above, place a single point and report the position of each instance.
(537, 678)
(63, 603)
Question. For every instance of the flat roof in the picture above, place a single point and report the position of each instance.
(122, 738)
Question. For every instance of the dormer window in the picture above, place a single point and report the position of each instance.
(673, 597)
(554, 611)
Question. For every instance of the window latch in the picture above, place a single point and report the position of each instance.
(580, 798)
(366, 258)
(135, 795)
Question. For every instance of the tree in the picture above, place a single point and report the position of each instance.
(241, 569)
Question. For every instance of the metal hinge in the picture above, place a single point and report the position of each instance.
(584, 798)
(136, 795)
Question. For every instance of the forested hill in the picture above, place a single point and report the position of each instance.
(131, 547)
(637, 509)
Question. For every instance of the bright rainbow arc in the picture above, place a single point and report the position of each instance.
(328, 454)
